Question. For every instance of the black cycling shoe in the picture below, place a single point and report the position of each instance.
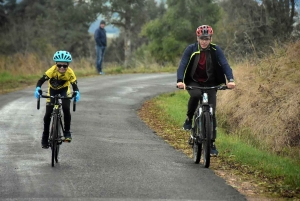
(45, 142)
(68, 136)
(191, 141)
(213, 150)
(187, 125)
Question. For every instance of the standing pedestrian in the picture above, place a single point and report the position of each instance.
(100, 39)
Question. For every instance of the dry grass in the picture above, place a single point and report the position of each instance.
(264, 108)
(20, 70)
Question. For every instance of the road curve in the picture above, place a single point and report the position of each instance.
(113, 156)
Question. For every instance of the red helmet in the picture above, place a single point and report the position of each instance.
(204, 30)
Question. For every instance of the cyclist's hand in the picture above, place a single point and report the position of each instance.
(181, 85)
(231, 85)
(77, 97)
(37, 93)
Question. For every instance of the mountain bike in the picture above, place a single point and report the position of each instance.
(56, 130)
(202, 130)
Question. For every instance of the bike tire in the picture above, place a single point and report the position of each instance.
(54, 153)
(207, 132)
(197, 146)
(59, 141)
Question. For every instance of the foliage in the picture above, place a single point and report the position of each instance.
(129, 17)
(169, 35)
(250, 27)
(243, 29)
(41, 26)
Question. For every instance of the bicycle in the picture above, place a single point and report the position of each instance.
(56, 138)
(202, 130)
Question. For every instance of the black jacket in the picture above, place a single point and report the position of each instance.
(100, 37)
(216, 65)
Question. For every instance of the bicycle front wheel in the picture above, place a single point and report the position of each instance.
(59, 140)
(207, 133)
(54, 144)
(197, 146)
(56, 152)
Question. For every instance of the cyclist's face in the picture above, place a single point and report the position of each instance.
(62, 66)
(204, 42)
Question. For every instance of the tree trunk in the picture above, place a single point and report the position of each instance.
(127, 48)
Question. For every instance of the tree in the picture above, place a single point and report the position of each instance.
(42, 25)
(71, 27)
(3, 17)
(280, 17)
(129, 16)
(251, 27)
(169, 35)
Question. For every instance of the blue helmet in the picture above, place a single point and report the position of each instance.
(62, 56)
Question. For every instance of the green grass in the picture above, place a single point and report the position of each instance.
(173, 105)
(280, 174)
(9, 82)
(271, 165)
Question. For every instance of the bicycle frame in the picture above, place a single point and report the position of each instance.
(58, 117)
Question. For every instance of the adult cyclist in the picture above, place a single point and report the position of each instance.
(203, 64)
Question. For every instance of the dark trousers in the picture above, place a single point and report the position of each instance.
(195, 97)
(65, 109)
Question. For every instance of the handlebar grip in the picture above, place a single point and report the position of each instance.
(224, 87)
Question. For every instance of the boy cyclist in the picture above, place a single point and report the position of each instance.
(60, 76)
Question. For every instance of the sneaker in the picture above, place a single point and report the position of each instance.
(213, 150)
(45, 142)
(187, 124)
(101, 73)
(68, 137)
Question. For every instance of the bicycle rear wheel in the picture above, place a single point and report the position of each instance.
(207, 132)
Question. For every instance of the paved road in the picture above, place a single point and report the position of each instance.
(113, 155)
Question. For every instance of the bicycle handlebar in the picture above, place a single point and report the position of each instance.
(220, 87)
(58, 97)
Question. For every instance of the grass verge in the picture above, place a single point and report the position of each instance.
(273, 175)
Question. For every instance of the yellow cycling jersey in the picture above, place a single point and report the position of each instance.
(58, 80)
